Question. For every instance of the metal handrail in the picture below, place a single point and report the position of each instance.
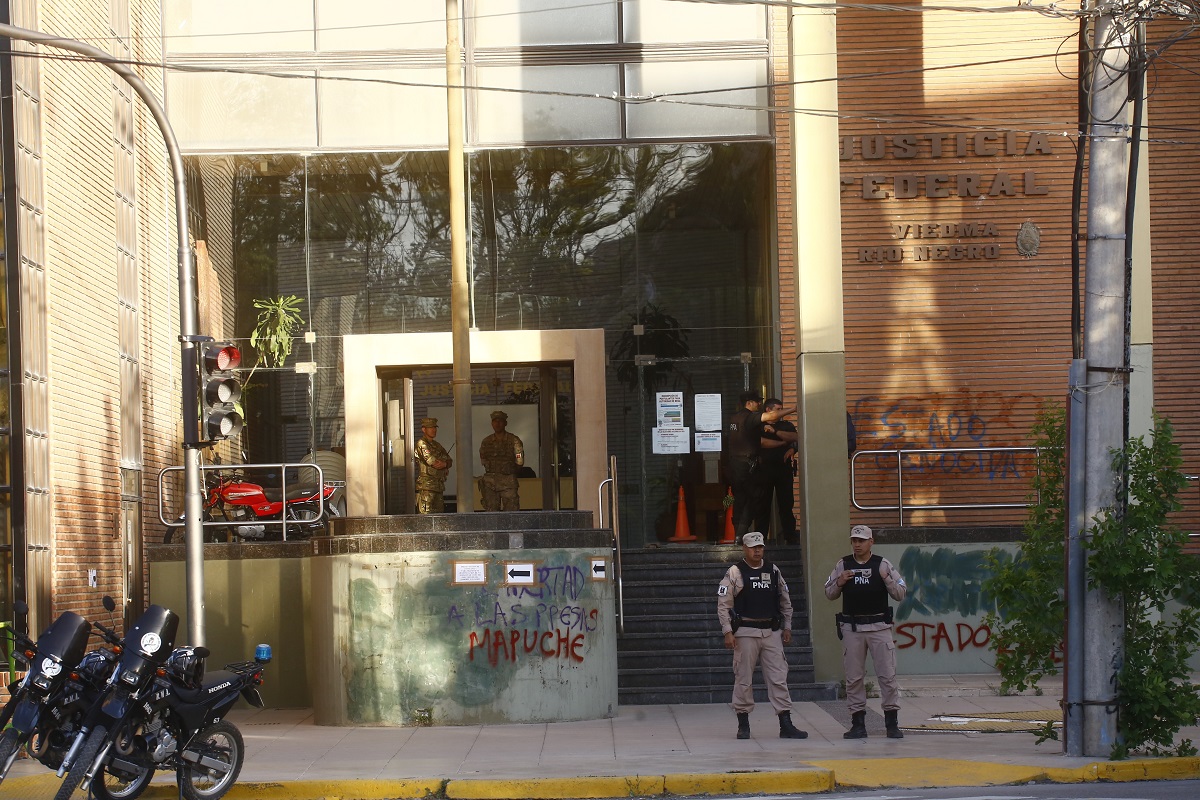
(1194, 535)
(900, 454)
(283, 487)
(618, 579)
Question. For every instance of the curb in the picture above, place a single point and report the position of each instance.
(820, 776)
(927, 773)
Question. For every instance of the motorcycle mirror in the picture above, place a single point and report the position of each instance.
(110, 605)
(202, 652)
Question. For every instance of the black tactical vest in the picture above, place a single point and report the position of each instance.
(865, 593)
(759, 597)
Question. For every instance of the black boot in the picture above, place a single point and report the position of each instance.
(892, 724)
(787, 730)
(743, 725)
(858, 726)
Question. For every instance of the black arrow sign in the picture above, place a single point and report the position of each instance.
(519, 573)
(597, 569)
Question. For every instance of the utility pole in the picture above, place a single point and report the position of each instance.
(460, 314)
(1102, 649)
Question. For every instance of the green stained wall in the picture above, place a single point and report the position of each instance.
(407, 638)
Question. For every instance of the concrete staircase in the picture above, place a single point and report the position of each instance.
(672, 650)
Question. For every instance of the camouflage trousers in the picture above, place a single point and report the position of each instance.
(429, 502)
(499, 493)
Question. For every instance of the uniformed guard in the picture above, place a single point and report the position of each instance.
(755, 612)
(864, 581)
(433, 465)
(502, 453)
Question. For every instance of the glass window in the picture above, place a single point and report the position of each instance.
(376, 108)
(672, 21)
(223, 110)
(675, 237)
(739, 111)
(381, 24)
(237, 26)
(520, 117)
(518, 23)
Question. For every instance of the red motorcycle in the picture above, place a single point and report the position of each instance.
(254, 512)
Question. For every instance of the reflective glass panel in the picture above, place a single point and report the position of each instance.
(223, 110)
(532, 117)
(237, 26)
(513, 23)
(673, 21)
(363, 108)
(381, 24)
(702, 109)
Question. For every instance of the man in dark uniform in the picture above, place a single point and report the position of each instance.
(755, 612)
(747, 476)
(864, 581)
(779, 450)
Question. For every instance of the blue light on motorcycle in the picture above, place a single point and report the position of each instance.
(262, 653)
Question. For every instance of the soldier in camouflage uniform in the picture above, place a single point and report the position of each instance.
(433, 465)
(501, 453)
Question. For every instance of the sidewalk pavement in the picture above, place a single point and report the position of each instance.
(958, 732)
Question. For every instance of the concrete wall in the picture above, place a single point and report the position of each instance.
(247, 601)
(367, 629)
(405, 636)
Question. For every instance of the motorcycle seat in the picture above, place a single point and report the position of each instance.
(275, 495)
(211, 680)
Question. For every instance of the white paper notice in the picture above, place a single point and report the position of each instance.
(708, 412)
(672, 440)
(708, 441)
(670, 409)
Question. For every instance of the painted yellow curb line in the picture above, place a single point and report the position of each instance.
(554, 788)
(787, 782)
(925, 773)
(818, 776)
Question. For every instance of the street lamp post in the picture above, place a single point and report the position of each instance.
(188, 316)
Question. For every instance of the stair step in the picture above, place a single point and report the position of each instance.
(671, 649)
(801, 693)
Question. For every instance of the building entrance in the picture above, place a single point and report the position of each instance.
(549, 383)
(538, 402)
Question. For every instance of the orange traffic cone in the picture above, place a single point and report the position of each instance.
(730, 535)
(683, 531)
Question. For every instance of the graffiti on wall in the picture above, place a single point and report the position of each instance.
(547, 620)
(946, 598)
(416, 639)
(944, 419)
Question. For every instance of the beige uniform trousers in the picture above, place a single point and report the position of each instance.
(855, 645)
(763, 647)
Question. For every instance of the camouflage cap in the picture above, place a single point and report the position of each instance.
(429, 422)
(500, 415)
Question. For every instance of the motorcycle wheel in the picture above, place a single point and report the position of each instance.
(211, 535)
(222, 751)
(114, 784)
(305, 516)
(83, 762)
(9, 745)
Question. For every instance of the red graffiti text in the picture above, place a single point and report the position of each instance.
(507, 645)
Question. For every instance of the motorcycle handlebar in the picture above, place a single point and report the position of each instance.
(108, 634)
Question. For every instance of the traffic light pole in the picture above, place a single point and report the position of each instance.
(188, 317)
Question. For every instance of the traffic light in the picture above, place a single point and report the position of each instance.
(220, 391)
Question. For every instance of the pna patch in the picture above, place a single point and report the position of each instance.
(722, 590)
